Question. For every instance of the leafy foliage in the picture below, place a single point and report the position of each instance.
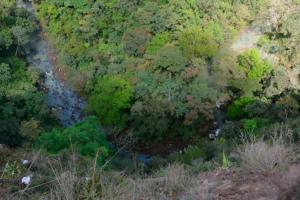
(110, 100)
(87, 137)
(197, 42)
(157, 42)
(253, 65)
(236, 109)
(19, 99)
(159, 54)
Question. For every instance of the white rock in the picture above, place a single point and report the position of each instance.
(25, 162)
(26, 180)
(217, 132)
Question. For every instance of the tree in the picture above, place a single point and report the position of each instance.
(237, 109)
(110, 100)
(197, 42)
(135, 42)
(157, 42)
(20, 33)
(170, 59)
(6, 38)
(20, 102)
(251, 63)
(5, 77)
(9, 131)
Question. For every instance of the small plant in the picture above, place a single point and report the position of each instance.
(225, 161)
(263, 41)
(249, 125)
(11, 170)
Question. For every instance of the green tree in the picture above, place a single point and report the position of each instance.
(157, 42)
(237, 109)
(135, 42)
(110, 100)
(170, 59)
(20, 101)
(253, 65)
(197, 42)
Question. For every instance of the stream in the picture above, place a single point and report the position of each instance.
(62, 100)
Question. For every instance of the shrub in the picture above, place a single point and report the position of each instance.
(189, 155)
(86, 136)
(255, 68)
(176, 177)
(237, 109)
(110, 100)
(249, 125)
(263, 41)
(254, 127)
(9, 132)
(53, 141)
(261, 156)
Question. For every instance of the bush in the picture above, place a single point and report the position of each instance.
(261, 156)
(255, 126)
(249, 125)
(86, 136)
(9, 132)
(189, 155)
(237, 109)
(253, 65)
(110, 100)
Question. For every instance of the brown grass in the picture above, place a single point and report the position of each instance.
(267, 156)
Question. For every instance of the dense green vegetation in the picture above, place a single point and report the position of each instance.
(150, 70)
(22, 107)
(87, 137)
(154, 69)
(184, 81)
(162, 50)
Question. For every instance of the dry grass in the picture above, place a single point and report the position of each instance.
(117, 186)
(267, 156)
(71, 184)
(176, 177)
